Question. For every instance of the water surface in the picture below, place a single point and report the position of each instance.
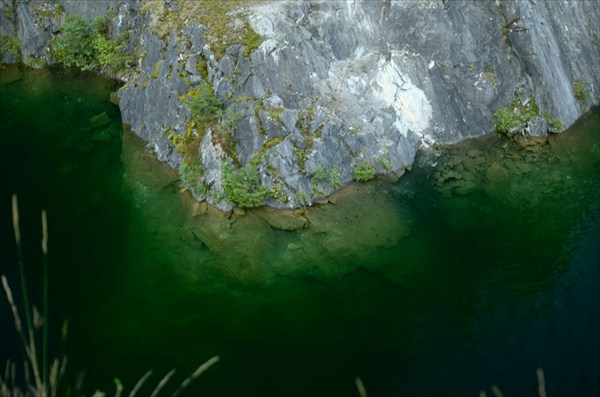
(476, 267)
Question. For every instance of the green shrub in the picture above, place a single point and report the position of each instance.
(75, 44)
(505, 120)
(100, 25)
(243, 187)
(203, 104)
(386, 163)
(191, 174)
(10, 47)
(581, 92)
(516, 114)
(230, 120)
(364, 172)
(86, 46)
(9, 11)
(553, 122)
(318, 175)
(108, 53)
(335, 177)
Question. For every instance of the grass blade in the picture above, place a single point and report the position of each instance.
(196, 374)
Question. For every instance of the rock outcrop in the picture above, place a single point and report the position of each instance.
(335, 84)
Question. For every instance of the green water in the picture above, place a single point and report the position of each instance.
(471, 272)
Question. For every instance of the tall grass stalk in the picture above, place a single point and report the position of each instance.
(196, 374)
(44, 385)
(45, 308)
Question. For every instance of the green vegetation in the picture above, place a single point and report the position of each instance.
(275, 113)
(364, 172)
(191, 177)
(516, 114)
(230, 120)
(35, 63)
(220, 18)
(335, 177)
(156, 71)
(9, 12)
(581, 92)
(386, 163)
(10, 47)
(223, 133)
(272, 142)
(279, 194)
(203, 104)
(86, 46)
(318, 175)
(243, 187)
(304, 122)
(553, 122)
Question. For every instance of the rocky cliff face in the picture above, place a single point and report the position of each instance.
(335, 87)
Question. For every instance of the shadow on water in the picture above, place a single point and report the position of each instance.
(476, 267)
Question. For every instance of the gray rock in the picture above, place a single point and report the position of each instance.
(351, 81)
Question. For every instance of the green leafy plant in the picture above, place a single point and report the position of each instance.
(553, 122)
(335, 177)
(230, 120)
(386, 163)
(581, 92)
(516, 114)
(203, 104)
(318, 175)
(108, 53)
(505, 120)
(74, 46)
(9, 11)
(191, 177)
(364, 172)
(86, 46)
(10, 47)
(243, 187)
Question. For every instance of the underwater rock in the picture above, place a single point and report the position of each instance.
(100, 120)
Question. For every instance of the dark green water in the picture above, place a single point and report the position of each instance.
(430, 286)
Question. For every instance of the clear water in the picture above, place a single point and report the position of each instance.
(428, 286)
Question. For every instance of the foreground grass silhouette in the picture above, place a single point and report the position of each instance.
(40, 378)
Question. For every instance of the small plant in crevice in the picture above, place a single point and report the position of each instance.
(364, 172)
(275, 114)
(224, 133)
(203, 104)
(318, 175)
(10, 47)
(553, 122)
(581, 92)
(518, 113)
(386, 163)
(191, 177)
(335, 177)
